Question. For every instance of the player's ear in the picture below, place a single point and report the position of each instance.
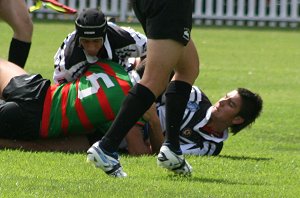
(238, 120)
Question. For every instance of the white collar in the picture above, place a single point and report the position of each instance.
(206, 136)
(108, 48)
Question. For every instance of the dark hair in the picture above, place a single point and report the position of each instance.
(251, 108)
(91, 23)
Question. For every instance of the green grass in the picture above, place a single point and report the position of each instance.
(263, 161)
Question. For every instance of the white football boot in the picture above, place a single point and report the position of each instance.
(173, 162)
(108, 162)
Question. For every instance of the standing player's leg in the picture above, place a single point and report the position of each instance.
(177, 95)
(165, 51)
(16, 14)
(140, 98)
(168, 24)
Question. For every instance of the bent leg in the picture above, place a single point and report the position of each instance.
(8, 70)
(188, 66)
(15, 13)
(143, 94)
(10, 119)
(162, 56)
(178, 93)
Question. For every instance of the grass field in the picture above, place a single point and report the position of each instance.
(263, 161)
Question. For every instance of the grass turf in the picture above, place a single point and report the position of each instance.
(262, 161)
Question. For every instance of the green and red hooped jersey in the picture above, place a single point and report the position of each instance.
(91, 102)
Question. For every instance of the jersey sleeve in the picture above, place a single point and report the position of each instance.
(140, 42)
(135, 50)
(209, 148)
(61, 73)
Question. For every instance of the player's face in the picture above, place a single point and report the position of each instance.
(92, 46)
(227, 108)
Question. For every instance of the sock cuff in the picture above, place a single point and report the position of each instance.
(179, 87)
(19, 43)
(18, 52)
(143, 93)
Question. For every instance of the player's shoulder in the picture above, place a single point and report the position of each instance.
(113, 28)
(198, 94)
(70, 36)
(115, 31)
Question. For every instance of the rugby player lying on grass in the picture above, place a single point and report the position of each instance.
(204, 127)
(33, 109)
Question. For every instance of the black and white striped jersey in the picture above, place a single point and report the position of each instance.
(193, 139)
(120, 44)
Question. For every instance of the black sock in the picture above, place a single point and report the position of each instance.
(18, 52)
(177, 96)
(138, 101)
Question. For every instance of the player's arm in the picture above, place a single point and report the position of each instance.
(136, 145)
(136, 52)
(140, 42)
(155, 130)
(61, 73)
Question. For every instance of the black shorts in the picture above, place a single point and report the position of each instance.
(21, 110)
(165, 19)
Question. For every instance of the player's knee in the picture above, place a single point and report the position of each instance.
(23, 30)
(10, 116)
(10, 110)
